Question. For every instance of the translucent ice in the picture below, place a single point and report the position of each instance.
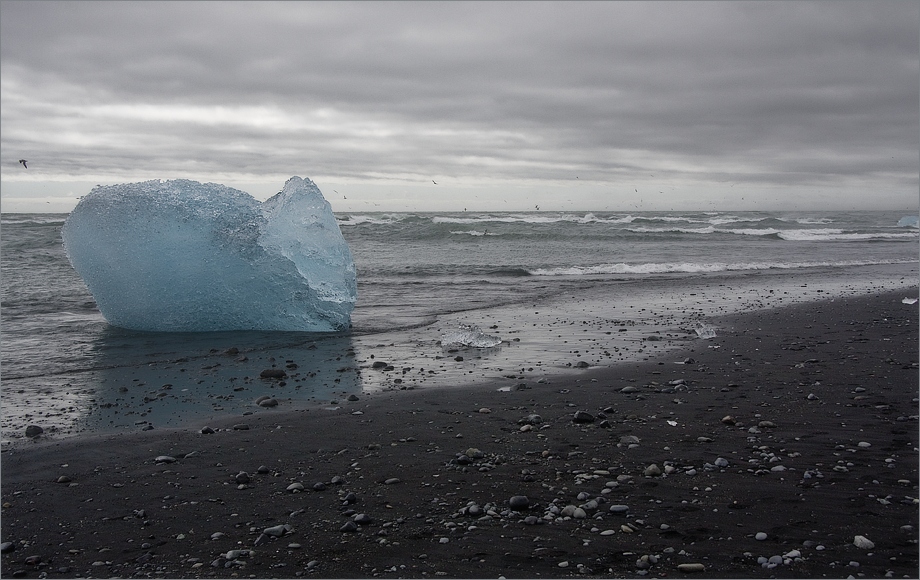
(909, 221)
(185, 256)
(705, 331)
(469, 336)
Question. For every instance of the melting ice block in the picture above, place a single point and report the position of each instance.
(469, 336)
(184, 256)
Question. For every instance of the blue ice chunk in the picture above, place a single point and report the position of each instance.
(184, 256)
(909, 221)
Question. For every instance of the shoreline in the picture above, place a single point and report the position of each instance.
(797, 422)
(148, 381)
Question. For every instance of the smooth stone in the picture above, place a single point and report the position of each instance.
(530, 420)
(63, 479)
(207, 431)
(34, 431)
(296, 486)
(583, 417)
(241, 427)
(349, 526)
(242, 477)
(268, 402)
(760, 536)
(688, 568)
(363, 519)
(519, 502)
(164, 459)
(618, 509)
(652, 470)
(628, 390)
(278, 531)
(863, 542)
(391, 481)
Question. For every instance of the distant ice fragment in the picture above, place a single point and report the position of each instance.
(183, 256)
(469, 336)
(705, 331)
(909, 301)
(909, 221)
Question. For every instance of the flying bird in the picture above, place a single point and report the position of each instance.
(23, 161)
(434, 182)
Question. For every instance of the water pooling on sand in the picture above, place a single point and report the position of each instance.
(65, 368)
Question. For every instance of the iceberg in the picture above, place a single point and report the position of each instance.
(182, 256)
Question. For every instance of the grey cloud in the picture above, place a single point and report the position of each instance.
(784, 91)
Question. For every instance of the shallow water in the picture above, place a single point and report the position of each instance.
(549, 289)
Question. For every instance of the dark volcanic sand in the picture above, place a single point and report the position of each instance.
(120, 513)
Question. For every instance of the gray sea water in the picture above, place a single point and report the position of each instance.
(558, 289)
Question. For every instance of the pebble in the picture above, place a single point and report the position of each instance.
(583, 417)
(618, 509)
(207, 431)
(652, 470)
(519, 502)
(7, 547)
(349, 526)
(34, 431)
(241, 427)
(363, 519)
(268, 402)
(760, 536)
(391, 481)
(242, 477)
(628, 390)
(728, 420)
(688, 568)
(863, 543)
(63, 479)
(279, 530)
(295, 487)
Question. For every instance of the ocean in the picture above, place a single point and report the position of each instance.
(561, 291)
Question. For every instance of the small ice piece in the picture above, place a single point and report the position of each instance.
(705, 331)
(469, 336)
(181, 256)
(909, 301)
(909, 221)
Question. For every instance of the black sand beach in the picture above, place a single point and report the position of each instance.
(778, 448)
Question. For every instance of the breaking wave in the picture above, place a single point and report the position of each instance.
(694, 267)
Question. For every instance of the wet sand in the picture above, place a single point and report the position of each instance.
(783, 438)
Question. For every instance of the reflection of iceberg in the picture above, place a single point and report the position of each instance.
(705, 331)
(909, 221)
(469, 336)
(185, 256)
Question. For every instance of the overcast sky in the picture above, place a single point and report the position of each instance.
(582, 106)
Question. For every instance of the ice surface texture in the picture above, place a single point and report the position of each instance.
(184, 256)
(469, 336)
